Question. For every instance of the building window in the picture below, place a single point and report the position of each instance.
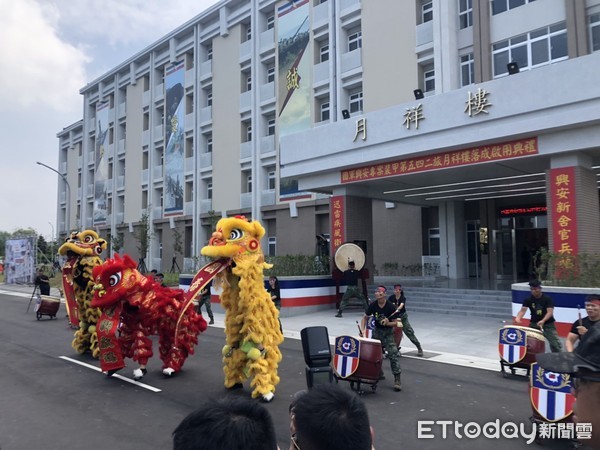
(271, 74)
(248, 32)
(209, 143)
(248, 132)
(249, 83)
(534, 49)
(249, 183)
(209, 98)
(271, 127)
(325, 111)
(270, 22)
(271, 180)
(465, 13)
(209, 53)
(354, 39)
(324, 51)
(356, 101)
(595, 32)
(209, 189)
(467, 68)
(429, 78)
(499, 6)
(272, 245)
(426, 11)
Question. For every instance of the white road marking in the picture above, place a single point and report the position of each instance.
(116, 375)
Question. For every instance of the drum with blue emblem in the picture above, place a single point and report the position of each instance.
(357, 360)
(518, 347)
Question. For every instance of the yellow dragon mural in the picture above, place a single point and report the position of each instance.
(251, 319)
(83, 249)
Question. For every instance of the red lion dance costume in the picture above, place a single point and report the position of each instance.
(134, 307)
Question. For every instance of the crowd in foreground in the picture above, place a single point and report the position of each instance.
(328, 417)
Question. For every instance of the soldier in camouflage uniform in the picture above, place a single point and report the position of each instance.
(399, 301)
(381, 309)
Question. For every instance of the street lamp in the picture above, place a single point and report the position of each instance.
(68, 208)
(52, 246)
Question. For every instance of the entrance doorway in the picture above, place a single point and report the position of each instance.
(503, 242)
(517, 245)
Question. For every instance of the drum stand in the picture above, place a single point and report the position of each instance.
(35, 288)
(512, 368)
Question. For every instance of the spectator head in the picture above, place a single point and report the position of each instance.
(230, 423)
(328, 417)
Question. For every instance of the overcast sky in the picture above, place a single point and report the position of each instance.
(49, 50)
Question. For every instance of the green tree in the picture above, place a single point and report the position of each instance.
(142, 237)
(4, 235)
(23, 232)
(177, 248)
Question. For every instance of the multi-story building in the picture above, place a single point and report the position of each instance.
(423, 130)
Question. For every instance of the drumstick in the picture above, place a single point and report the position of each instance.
(359, 330)
(579, 314)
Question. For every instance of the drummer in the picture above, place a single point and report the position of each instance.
(381, 309)
(351, 277)
(541, 307)
(581, 326)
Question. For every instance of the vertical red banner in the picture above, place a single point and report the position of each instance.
(338, 232)
(564, 211)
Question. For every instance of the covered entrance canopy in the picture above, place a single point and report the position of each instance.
(498, 139)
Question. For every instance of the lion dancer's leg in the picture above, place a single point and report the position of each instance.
(86, 337)
(142, 352)
(81, 341)
(234, 359)
(264, 374)
(173, 356)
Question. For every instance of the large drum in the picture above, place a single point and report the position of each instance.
(370, 358)
(518, 347)
(46, 306)
(398, 335)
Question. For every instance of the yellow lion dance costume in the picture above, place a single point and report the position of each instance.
(251, 319)
(83, 250)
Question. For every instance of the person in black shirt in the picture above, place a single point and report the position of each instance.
(205, 300)
(275, 291)
(382, 310)
(581, 326)
(399, 301)
(542, 314)
(351, 276)
(42, 282)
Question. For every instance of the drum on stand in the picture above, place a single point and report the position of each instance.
(518, 347)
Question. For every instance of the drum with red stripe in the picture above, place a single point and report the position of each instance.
(550, 395)
(518, 347)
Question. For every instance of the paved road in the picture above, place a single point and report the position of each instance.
(52, 398)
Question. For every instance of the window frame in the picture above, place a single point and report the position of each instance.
(465, 14)
(514, 46)
(324, 51)
(355, 101)
(469, 62)
(354, 39)
(426, 11)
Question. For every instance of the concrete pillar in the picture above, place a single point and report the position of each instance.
(453, 259)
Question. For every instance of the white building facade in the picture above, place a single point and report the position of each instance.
(366, 121)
